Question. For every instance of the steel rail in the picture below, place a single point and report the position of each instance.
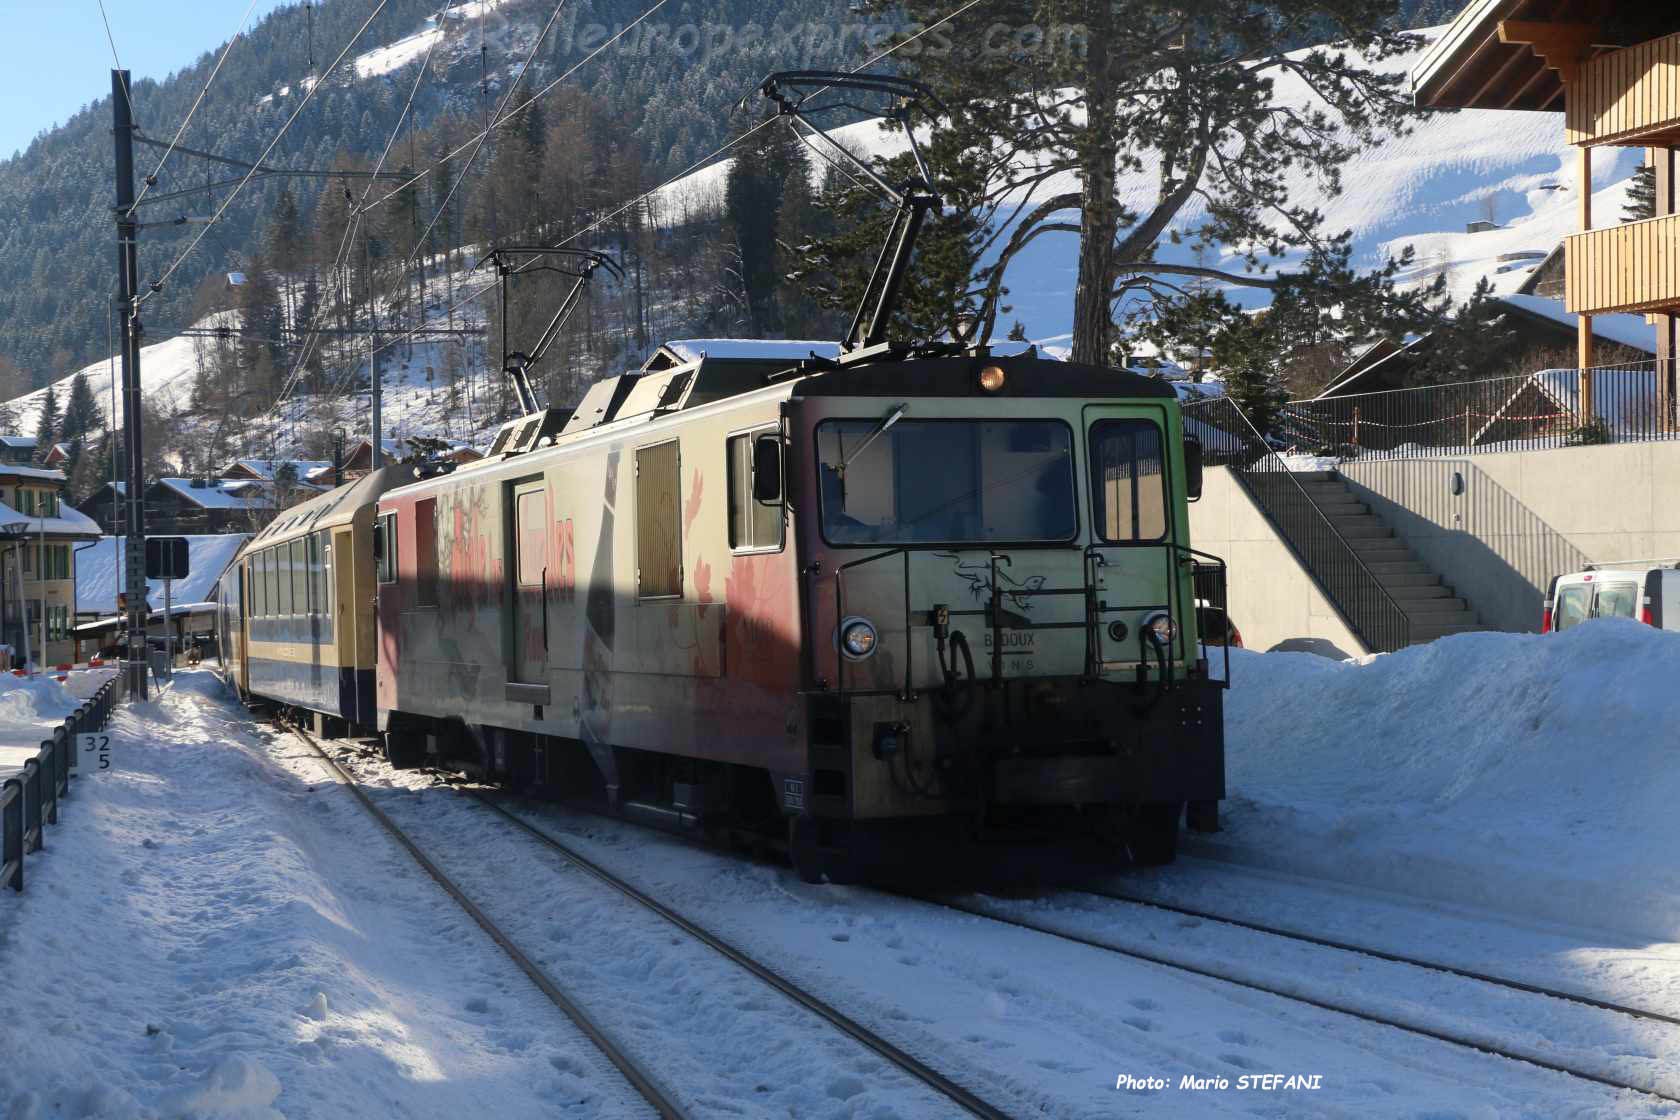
(1167, 962)
(643, 1082)
(834, 1017)
(1385, 955)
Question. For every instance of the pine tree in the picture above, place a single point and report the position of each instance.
(1184, 93)
(1642, 194)
(46, 428)
(81, 412)
(752, 202)
(1479, 335)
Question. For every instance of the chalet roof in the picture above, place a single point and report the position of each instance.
(266, 468)
(1470, 67)
(98, 571)
(18, 443)
(1626, 330)
(70, 522)
(215, 493)
(1389, 359)
(33, 474)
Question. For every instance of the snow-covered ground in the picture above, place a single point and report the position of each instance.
(1497, 802)
(1534, 775)
(31, 707)
(216, 929)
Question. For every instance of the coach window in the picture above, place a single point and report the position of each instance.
(283, 579)
(425, 552)
(659, 521)
(385, 548)
(754, 525)
(269, 595)
(300, 577)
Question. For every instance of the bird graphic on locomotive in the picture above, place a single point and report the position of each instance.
(872, 603)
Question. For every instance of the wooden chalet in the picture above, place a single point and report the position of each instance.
(1612, 69)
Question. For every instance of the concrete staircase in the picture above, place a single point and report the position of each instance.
(1430, 606)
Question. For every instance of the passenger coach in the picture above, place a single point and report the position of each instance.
(295, 606)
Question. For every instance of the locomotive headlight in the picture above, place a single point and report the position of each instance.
(857, 638)
(1160, 629)
(991, 378)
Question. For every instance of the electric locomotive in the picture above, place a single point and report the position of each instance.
(869, 602)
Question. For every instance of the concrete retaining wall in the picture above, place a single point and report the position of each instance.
(1272, 599)
(1497, 527)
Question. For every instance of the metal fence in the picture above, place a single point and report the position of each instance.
(29, 801)
(1230, 439)
(1543, 409)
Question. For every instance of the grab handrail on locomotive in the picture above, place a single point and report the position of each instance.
(875, 606)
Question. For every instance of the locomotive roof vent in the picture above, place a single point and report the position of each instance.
(526, 433)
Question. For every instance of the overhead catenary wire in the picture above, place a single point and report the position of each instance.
(151, 180)
(116, 61)
(501, 118)
(491, 125)
(353, 218)
(530, 56)
(157, 285)
(461, 301)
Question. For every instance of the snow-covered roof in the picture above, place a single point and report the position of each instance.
(98, 572)
(771, 349)
(19, 442)
(266, 468)
(1627, 330)
(41, 474)
(69, 522)
(215, 493)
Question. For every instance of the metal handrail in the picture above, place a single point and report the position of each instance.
(1391, 630)
(29, 802)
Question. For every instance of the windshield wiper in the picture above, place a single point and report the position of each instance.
(887, 421)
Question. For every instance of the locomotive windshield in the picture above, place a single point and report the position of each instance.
(946, 481)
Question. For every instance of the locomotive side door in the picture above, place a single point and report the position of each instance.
(1136, 500)
(527, 575)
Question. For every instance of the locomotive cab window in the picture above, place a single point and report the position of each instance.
(659, 521)
(385, 548)
(899, 481)
(755, 492)
(1128, 480)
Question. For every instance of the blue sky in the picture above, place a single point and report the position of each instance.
(59, 59)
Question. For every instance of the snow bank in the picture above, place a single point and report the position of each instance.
(216, 929)
(1536, 774)
(30, 707)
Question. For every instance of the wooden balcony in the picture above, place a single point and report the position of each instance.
(1632, 267)
(1628, 97)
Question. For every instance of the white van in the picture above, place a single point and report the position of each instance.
(1648, 590)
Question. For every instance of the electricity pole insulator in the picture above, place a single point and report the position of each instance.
(128, 284)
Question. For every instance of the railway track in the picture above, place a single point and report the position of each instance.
(1374, 953)
(1165, 960)
(978, 1107)
(641, 1079)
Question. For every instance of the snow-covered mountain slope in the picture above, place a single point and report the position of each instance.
(1422, 190)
